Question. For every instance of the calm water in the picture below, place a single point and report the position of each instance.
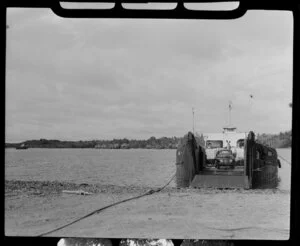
(118, 167)
(140, 167)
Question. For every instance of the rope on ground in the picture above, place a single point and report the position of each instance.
(284, 159)
(152, 191)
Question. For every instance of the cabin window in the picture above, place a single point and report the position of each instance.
(257, 155)
(240, 143)
(212, 144)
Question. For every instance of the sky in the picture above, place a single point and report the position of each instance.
(85, 79)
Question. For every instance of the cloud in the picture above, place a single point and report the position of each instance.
(88, 79)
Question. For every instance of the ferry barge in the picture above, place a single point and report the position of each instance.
(229, 159)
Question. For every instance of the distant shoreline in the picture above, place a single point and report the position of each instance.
(111, 149)
(151, 143)
(90, 148)
(281, 140)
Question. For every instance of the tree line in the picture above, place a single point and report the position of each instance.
(151, 143)
(281, 140)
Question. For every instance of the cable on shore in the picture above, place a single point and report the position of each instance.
(288, 162)
(150, 192)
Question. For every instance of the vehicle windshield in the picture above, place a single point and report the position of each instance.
(212, 144)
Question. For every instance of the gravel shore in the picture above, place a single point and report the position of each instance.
(56, 187)
(35, 207)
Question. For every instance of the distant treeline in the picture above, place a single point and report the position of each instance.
(281, 140)
(151, 143)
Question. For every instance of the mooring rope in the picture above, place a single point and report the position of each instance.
(288, 162)
(284, 159)
(152, 191)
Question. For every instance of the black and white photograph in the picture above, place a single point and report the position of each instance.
(148, 128)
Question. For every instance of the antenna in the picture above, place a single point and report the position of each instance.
(251, 104)
(251, 100)
(193, 122)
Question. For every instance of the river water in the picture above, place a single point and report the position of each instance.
(124, 167)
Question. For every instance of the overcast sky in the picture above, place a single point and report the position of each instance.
(81, 79)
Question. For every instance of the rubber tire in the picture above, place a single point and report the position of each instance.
(181, 177)
(185, 170)
(266, 179)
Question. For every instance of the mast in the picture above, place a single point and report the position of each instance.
(229, 127)
(229, 112)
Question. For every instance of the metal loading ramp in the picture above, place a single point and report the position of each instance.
(221, 178)
(220, 181)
